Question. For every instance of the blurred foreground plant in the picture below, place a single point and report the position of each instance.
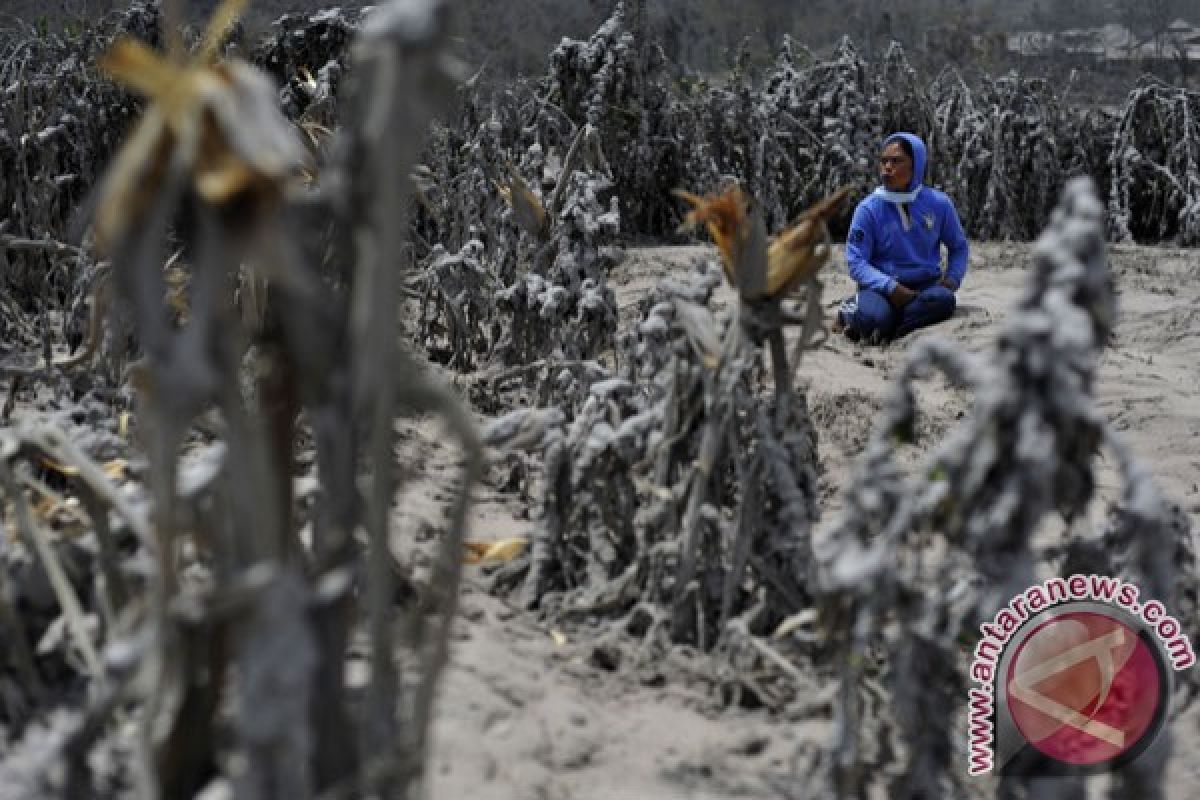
(230, 651)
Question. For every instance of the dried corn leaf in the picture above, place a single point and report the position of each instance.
(724, 216)
(114, 469)
(796, 253)
(527, 208)
(500, 550)
(755, 268)
(54, 466)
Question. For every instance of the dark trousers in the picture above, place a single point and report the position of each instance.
(873, 314)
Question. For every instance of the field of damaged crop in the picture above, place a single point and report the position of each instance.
(574, 706)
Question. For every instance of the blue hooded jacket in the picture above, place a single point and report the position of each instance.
(881, 252)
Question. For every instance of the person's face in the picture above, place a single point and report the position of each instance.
(895, 168)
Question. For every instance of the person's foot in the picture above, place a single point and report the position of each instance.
(840, 326)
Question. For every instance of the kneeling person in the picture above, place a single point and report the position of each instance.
(894, 250)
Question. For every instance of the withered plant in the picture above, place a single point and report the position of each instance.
(679, 496)
(1156, 166)
(231, 607)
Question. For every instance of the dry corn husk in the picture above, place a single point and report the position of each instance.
(791, 257)
(527, 208)
(498, 551)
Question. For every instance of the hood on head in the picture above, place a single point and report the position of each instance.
(918, 148)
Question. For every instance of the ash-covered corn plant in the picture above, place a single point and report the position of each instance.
(520, 195)
(903, 99)
(207, 650)
(809, 129)
(617, 84)
(492, 134)
(679, 496)
(456, 181)
(60, 120)
(919, 560)
(562, 305)
(307, 54)
(456, 308)
(597, 83)
(538, 288)
(1004, 152)
(805, 134)
(1155, 163)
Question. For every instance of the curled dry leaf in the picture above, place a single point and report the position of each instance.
(796, 253)
(114, 469)
(791, 257)
(527, 208)
(725, 216)
(500, 550)
(60, 514)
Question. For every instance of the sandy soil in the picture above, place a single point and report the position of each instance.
(524, 714)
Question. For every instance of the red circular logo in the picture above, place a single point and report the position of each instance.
(1084, 688)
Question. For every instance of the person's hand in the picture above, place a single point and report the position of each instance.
(901, 296)
(949, 284)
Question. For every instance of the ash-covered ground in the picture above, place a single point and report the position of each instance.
(537, 709)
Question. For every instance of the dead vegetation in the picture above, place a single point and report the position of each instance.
(260, 256)
(213, 591)
(679, 506)
(1004, 149)
(1029, 448)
